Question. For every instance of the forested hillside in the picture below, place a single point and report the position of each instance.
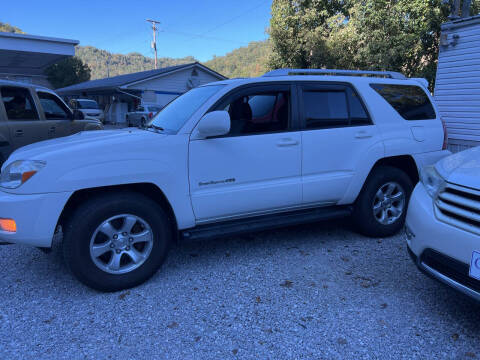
(4, 27)
(103, 63)
(247, 61)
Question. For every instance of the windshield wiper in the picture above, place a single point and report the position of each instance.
(152, 126)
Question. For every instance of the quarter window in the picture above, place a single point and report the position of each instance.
(410, 101)
(18, 104)
(53, 107)
(259, 113)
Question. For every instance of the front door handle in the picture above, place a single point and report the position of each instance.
(287, 142)
(363, 135)
(52, 130)
(19, 133)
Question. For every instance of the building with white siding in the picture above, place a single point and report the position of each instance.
(457, 87)
(119, 94)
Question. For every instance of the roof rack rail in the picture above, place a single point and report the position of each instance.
(332, 72)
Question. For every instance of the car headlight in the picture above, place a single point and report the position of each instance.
(18, 172)
(432, 180)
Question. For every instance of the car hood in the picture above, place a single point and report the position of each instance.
(462, 168)
(114, 144)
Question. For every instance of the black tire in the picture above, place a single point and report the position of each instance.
(363, 214)
(81, 226)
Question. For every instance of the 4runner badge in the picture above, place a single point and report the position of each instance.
(215, 182)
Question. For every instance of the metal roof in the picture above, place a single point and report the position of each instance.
(123, 80)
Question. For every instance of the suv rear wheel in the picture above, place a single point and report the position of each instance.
(381, 207)
(116, 241)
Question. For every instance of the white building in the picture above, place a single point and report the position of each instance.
(457, 87)
(25, 57)
(123, 93)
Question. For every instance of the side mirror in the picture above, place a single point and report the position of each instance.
(215, 123)
(78, 115)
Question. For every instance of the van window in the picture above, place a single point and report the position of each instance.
(18, 103)
(410, 101)
(53, 107)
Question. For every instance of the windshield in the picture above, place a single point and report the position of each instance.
(173, 116)
(87, 104)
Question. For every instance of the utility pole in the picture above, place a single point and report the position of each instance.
(154, 42)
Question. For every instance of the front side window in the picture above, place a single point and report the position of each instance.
(173, 116)
(53, 107)
(259, 113)
(18, 104)
(410, 101)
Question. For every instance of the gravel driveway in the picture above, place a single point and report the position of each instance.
(309, 292)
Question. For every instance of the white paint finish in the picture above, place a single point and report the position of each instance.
(457, 89)
(332, 157)
(244, 174)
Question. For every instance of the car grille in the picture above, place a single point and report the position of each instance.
(459, 206)
(450, 268)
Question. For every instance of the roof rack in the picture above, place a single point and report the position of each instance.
(332, 72)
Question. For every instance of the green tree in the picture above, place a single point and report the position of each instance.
(67, 72)
(399, 35)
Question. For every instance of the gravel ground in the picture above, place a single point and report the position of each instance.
(309, 292)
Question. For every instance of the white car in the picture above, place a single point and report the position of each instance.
(142, 115)
(89, 108)
(290, 147)
(443, 222)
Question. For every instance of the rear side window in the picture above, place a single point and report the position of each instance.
(329, 108)
(410, 101)
(18, 103)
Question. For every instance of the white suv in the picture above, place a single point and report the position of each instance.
(443, 222)
(239, 155)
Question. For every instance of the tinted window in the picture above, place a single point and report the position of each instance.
(18, 104)
(325, 109)
(410, 101)
(154, 109)
(140, 109)
(258, 113)
(53, 108)
(358, 114)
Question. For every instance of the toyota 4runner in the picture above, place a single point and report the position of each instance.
(290, 147)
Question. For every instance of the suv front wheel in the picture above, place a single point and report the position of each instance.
(116, 241)
(381, 207)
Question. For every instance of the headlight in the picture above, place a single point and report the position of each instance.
(18, 172)
(432, 180)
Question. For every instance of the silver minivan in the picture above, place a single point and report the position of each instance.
(31, 113)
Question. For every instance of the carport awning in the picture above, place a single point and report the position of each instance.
(22, 54)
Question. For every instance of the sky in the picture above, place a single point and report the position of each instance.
(201, 28)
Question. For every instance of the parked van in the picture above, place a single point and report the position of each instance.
(30, 113)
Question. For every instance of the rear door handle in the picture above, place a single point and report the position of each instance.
(52, 130)
(363, 135)
(19, 133)
(287, 142)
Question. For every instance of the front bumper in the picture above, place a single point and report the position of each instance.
(36, 217)
(440, 250)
